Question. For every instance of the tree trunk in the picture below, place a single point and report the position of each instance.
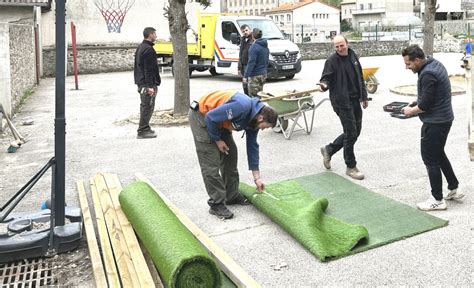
(178, 25)
(428, 28)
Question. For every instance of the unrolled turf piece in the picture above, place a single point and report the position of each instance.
(179, 257)
(303, 216)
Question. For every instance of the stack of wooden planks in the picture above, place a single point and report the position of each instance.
(117, 258)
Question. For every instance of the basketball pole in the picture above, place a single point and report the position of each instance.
(58, 187)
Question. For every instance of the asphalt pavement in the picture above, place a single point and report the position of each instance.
(387, 152)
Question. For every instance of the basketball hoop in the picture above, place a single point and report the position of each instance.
(114, 12)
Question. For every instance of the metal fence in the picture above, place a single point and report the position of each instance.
(442, 30)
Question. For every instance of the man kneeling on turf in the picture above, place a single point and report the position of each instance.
(212, 120)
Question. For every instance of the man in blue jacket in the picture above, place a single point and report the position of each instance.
(434, 108)
(256, 71)
(212, 120)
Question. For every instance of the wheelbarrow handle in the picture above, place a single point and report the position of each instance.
(292, 94)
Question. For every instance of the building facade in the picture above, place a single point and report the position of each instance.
(307, 21)
(369, 13)
(347, 6)
(253, 7)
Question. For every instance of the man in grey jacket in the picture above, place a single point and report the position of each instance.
(434, 108)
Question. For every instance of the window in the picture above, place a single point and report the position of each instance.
(288, 18)
(361, 6)
(370, 6)
(227, 29)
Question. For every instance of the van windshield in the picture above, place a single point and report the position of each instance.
(268, 27)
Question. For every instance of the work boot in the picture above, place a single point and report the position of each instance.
(221, 211)
(354, 173)
(326, 158)
(240, 200)
(146, 134)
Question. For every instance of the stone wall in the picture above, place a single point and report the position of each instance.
(376, 48)
(93, 59)
(100, 59)
(22, 62)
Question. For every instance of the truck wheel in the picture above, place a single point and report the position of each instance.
(289, 77)
(213, 72)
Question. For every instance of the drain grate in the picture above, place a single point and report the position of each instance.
(27, 273)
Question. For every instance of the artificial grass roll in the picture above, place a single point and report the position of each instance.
(303, 217)
(179, 257)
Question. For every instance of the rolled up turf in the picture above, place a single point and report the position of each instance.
(303, 217)
(179, 257)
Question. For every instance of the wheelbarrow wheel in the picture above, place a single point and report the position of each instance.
(371, 84)
(282, 127)
(371, 88)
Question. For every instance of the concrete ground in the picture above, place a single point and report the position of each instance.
(387, 152)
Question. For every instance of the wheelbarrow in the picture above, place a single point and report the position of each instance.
(291, 107)
(371, 81)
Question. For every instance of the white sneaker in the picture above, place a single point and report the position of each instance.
(432, 204)
(454, 195)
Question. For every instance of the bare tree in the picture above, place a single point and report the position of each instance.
(428, 27)
(178, 25)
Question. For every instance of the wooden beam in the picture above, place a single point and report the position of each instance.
(139, 263)
(225, 262)
(94, 253)
(268, 97)
(109, 261)
(127, 272)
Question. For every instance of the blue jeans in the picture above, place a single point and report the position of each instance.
(433, 140)
(351, 120)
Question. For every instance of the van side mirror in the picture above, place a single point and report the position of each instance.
(234, 38)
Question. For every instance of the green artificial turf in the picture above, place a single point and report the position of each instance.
(179, 257)
(386, 219)
(303, 216)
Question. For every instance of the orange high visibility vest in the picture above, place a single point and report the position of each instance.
(214, 100)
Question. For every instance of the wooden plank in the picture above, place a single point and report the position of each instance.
(127, 272)
(151, 266)
(470, 124)
(144, 277)
(94, 253)
(109, 261)
(225, 262)
(292, 94)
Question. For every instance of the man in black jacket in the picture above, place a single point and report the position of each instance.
(147, 78)
(342, 75)
(434, 108)
(245, 43)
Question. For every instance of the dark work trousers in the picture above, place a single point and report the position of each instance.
(219, 171)
(433, 140)
(351, 120)
(147, 106)
(245, 85)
